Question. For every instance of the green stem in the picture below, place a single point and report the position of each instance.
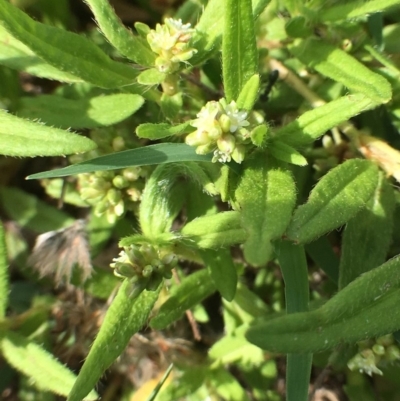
(293, 264)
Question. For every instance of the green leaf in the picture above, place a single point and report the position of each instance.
(162, 198)
(286, 153)
(354, 9)
(293, 263)
(226, 385)
(239, 51)
(151, 77)
(321, 252)
(30, 212)
(337, 197)
(171, 105)
(214, 231)
(266, 195)
(16, 55)
(44, 371)
(67, 51)
(192, 290)
(133, 47)
(23, 138)
(98, 111)
(249, 93)
(340, 66)
(125, 317)
(367, 236)
(222, 271)
(4, 286)
(314, 123)
(209, 29)
(159, 131)
(154, 154)
(366, 308)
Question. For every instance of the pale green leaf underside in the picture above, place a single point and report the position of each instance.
(146, 156)
(45, 372)
(94, 112)
(23, 138)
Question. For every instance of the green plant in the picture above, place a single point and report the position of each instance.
(272, 176)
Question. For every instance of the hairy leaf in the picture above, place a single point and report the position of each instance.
(337, 197)
(25, 138)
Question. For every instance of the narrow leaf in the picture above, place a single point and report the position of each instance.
(286, 153)
(337, 197)
(266, 195)
(340, 66)
(209, 28)
(25, 138)
(163, 198)
(192, 290)
(249, 93)
(124, 318)
(354, 9)
(4, 286)
(239, 51)
(14, 54)
(44, 371)
(222, 271)
(30, 212)
(66, 51)
(154, 154)
(293, 263)
(151, 77)
(321, 252)
(342, 319)
(214, 231)
(367, 236)
(314, 123)
(159, 131)
(98, 111)
(133, 47)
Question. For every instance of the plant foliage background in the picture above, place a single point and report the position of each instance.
(212, 204)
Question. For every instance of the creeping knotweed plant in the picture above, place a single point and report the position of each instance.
(144, 265)
(221, 129)
(171, 42)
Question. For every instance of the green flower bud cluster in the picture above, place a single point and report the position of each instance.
(221, 129)
(144, 265)
(113, 192)
(171, 42)
(373, 353)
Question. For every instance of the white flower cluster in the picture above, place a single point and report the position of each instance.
(220, 129)
(171, 42)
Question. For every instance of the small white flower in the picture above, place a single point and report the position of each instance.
(221, 157)
(237, 117)
(178, 26)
